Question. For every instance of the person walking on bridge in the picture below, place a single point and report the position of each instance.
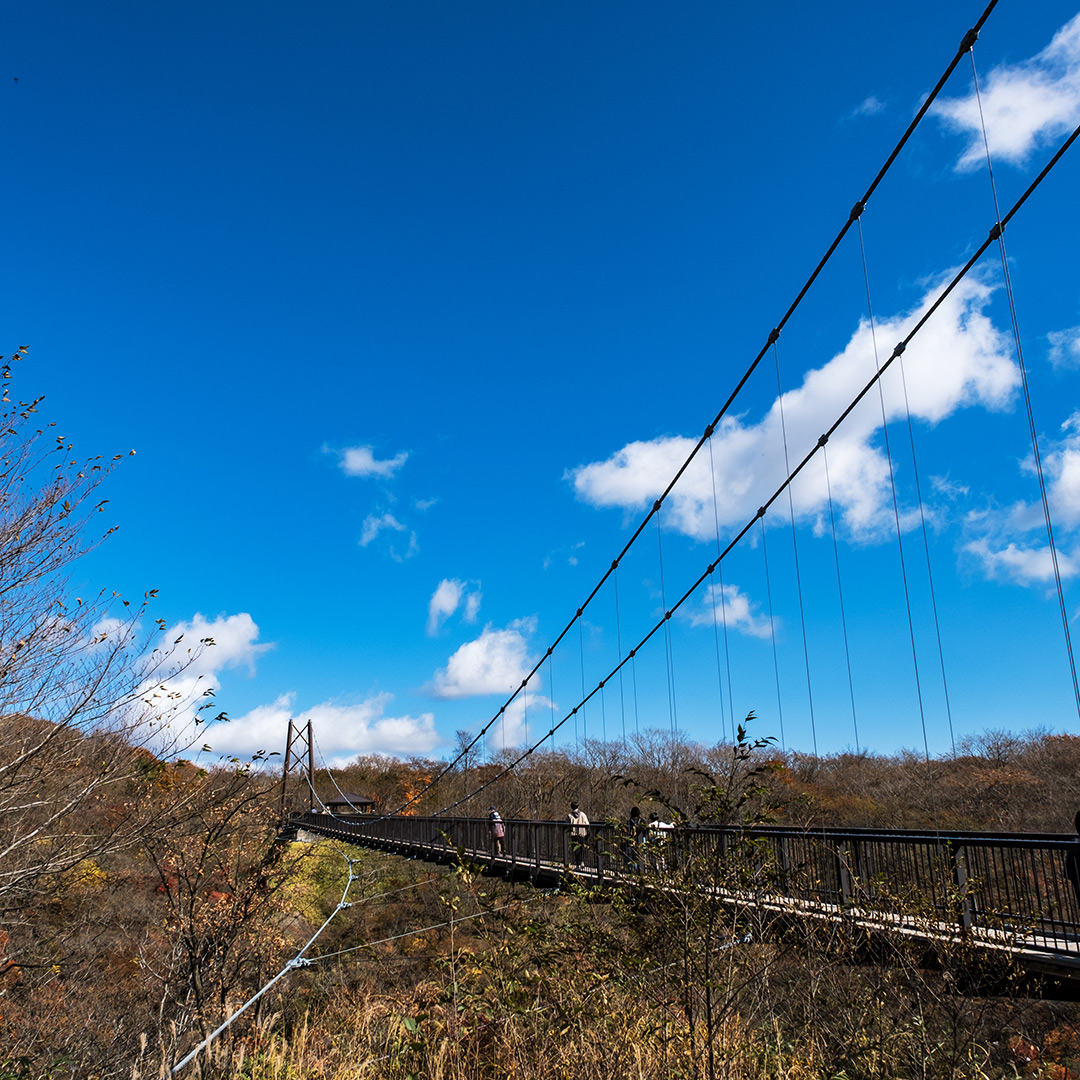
(496, 830)
(579, 833)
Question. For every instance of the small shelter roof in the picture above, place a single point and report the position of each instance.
(348, 801)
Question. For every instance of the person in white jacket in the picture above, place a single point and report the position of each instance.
(579, 833)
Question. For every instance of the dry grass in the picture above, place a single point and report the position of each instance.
(571, 987)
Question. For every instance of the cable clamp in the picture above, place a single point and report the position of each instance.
(298, 962)
(774, 335)
(856, 211)
(344, 904)
(633, 653)
(822, 440)
(524, 683)
(656, 506)
(709, 431)
(667, 615)
(900, 347)
(969, 39)
(996, 231)
(761, 512)
(601, 684)
(614, 564)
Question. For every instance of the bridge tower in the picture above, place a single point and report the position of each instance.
(299, 754)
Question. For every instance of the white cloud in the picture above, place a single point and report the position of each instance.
(443, 603)
(870, 106)
(494, 663)
(342, 731)
(234, 642)
(203, 648)
(361, 461)
(472, 607)
(1026, 565)
(1010, 544)
(569, 553)
(445, 600)
(376, 524)
(1065, 348)
(949, 488)
(1061, 463)
(731, 604)
(1025, 105)
(958, 359)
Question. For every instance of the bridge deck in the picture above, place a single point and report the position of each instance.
(1008, 894)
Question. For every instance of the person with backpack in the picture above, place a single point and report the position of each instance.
(496, 830)
(1072, 861)
(635, 832)
(579, 833)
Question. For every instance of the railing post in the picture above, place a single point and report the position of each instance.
(965, 910)
(843, 874)
(785, 867)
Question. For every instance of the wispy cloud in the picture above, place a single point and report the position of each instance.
(870, 106)
(377, 524)
(731, 606)
(494, 663)
(942, 485)
(1065, 348)
(361, 461)
(959, 359)
(1025, 105)
(567, 553)
(449, 595)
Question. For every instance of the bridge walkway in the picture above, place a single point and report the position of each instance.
(1004, 893)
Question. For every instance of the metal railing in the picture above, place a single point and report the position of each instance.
(1011, 889)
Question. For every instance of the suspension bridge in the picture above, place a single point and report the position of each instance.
(1012, 891)
(1016, 894)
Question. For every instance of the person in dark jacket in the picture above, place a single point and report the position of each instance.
(1072, 860)
(635, 831)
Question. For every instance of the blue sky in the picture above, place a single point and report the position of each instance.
(410, 310)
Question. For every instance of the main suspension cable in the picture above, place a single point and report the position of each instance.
(969, 38)
(898, 351)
